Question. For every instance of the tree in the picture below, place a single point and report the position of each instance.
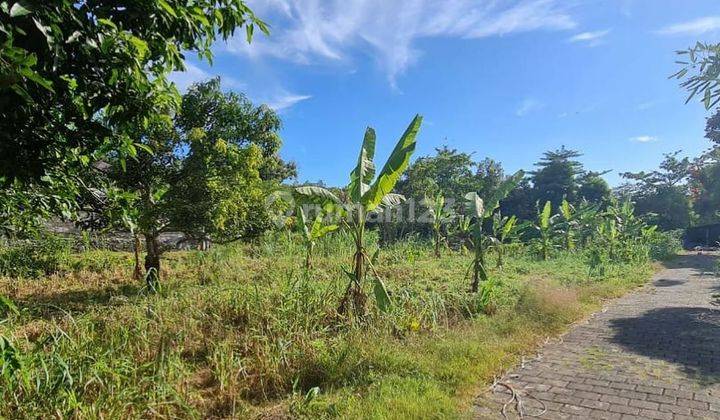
(520, 202)
(317, 230)
(705, 186)
(481, 211)
(367, 193)
(712, 128)
(662, 195)
(218, 194)
(545, 225)
(441, 215)
(593, 188)
(78, 77)
(505, 229)
(701, 64)
(557, 176)
(449, 173)
(195, 181)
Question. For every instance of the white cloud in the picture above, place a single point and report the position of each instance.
(645, 106)
(644, 139)
(286, 100)
(693, 27)
(527, 106)
(590, 39)
(311, 31)
(193, 74)
(280, 99)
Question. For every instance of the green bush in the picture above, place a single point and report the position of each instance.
(664, 245)
(35, 258)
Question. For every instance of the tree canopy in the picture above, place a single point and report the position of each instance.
(77, 76)
(205, 175)
(662, 195)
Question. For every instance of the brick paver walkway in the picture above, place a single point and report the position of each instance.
(654, 353)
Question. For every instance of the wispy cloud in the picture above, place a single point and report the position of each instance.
(193, 74)
(644, 106)
(311, 31)
(277, 97)
(591, 39)
(286, 100)
(643, 139)
(697, 26)
(527, 106)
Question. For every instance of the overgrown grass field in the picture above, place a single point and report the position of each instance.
(246, 331)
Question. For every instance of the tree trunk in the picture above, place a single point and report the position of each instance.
(437, 244)
(477, 266)
(308, 256)
(137, 272)
(152, 260)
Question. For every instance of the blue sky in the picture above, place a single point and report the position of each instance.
(506, 79)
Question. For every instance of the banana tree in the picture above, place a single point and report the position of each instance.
(569, 224)
(504, 230)
(310, 235)
(365, 194)
(545, 227)
(462, 230)
(479, 211)
(588, 218)
(440, 217)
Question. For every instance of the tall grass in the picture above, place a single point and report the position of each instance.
(244, 330)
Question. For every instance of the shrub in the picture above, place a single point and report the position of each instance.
(34, 258)
(664, 245)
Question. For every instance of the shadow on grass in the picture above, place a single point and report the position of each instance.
(53, 305)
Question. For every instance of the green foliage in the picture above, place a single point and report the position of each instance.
(705, 186)
(557, 176)
(441, 215)
(451, 174)
(505, 229)
(701, 73)
(312, 234)
(33, 258)
(204, 176)
(479, 211)
(664, 245)
(259, 328)
(662, 195)
(66, 62)
(366, 194)
(546, 228)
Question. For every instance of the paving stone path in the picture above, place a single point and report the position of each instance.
(654, 354)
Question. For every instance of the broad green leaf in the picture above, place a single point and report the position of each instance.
(508, 226)
(167, 8)
(301, 223)
(382, 298)
(394, 167)
(545, 215)
(566, 210)
(313, 194)
(20, 8)
(392, 200)
(364, 171)
(319, 230)
(249, 33)
(474, 205)
(140, 45)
